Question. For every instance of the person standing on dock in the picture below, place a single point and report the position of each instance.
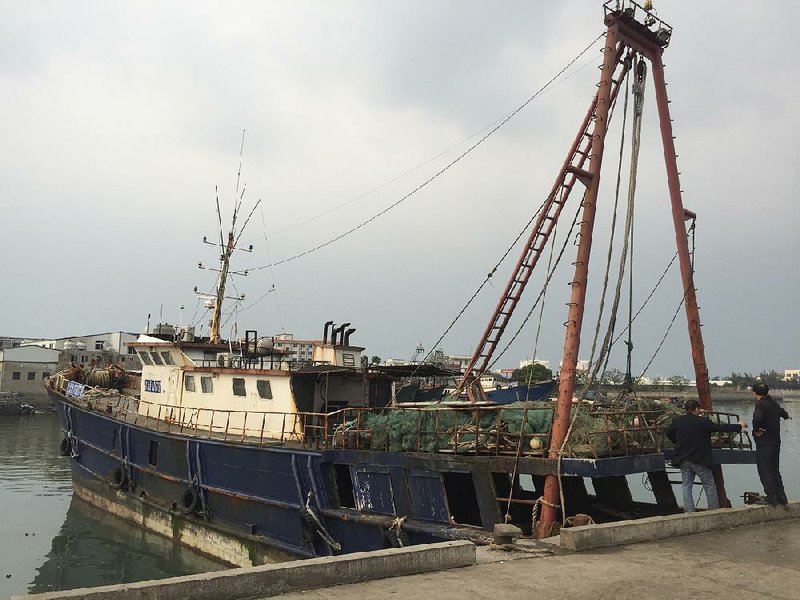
(691, 434)
(767, 417)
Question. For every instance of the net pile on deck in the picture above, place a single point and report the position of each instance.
(626, 426)
(631, 426)
(437, 429)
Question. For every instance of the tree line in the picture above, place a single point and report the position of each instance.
(773, 379)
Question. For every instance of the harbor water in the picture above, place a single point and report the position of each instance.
(51, 541)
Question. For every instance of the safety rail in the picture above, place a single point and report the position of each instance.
(497, 430)
(248, 427)
(730, 441)
(641, 16)
(609, 432)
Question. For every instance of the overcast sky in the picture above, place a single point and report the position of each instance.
(119, 119)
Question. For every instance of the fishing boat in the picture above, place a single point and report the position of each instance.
(231, 448)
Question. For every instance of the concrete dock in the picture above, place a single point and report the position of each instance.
(750, 552)
(753, 561)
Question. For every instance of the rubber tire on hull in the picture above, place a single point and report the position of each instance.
(65, 447)
(119, 478)
(189, 501)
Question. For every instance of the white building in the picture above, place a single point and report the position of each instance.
(300, 350)
(98, 347)
(791, 374)
(580, 367)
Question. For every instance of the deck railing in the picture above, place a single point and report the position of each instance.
(468, 429)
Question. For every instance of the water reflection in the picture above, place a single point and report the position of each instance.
(93, 548)
(50, 542)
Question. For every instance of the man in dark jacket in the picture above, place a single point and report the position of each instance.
(691, 434)
(767, 433)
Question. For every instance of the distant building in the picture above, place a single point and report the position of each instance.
(581, 366)
(300, 350)
(95, 348)
(438, 357)
(791, 374)
(12, 342)
(538, 361)
(719, 382)
(23, 368)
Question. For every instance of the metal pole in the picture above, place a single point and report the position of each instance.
(678, 219)
(574, 322)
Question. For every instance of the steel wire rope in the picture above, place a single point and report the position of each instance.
(636, 142)
(438, 173)
(418, 166)
(480, 288)
(524, 422)
(273, 288)
(612, 236)
(649, 296)
(605, 347)
(569, 234)
(541, 309)
(542, 291)
(680, 304)
(589, 380)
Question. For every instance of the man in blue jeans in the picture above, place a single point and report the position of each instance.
(691, 434)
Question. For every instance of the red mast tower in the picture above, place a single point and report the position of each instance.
(632, 30)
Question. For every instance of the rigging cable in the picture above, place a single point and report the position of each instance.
(638, 108)
(680, 304)
(440, 171)
(273, 288)
(638, 93)
(420, 165)
(524, 422)
(605, 349)
(569, 234)
(543, 290)
(603, 293)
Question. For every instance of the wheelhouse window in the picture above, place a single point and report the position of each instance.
(239, 387)
(167, 356)
(156, 358)
(145, 356)
(16, 375)
(207, 385)
(188, 383)
(98, 344)
(264, 389)
(31, 375)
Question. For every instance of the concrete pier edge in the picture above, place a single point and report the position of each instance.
(655, 528)
(270, 580)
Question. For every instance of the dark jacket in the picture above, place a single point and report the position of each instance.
(767, 415)
(692, 437)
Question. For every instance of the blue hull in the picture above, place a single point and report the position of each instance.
(521, 393)
(261, 495)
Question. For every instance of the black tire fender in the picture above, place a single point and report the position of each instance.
(65, 447)
(119, 478)
(189, 501)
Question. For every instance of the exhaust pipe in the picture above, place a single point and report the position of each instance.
(341, 333)
(325, 334)
(347, 335)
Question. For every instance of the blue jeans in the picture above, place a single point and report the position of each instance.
(688, 471)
